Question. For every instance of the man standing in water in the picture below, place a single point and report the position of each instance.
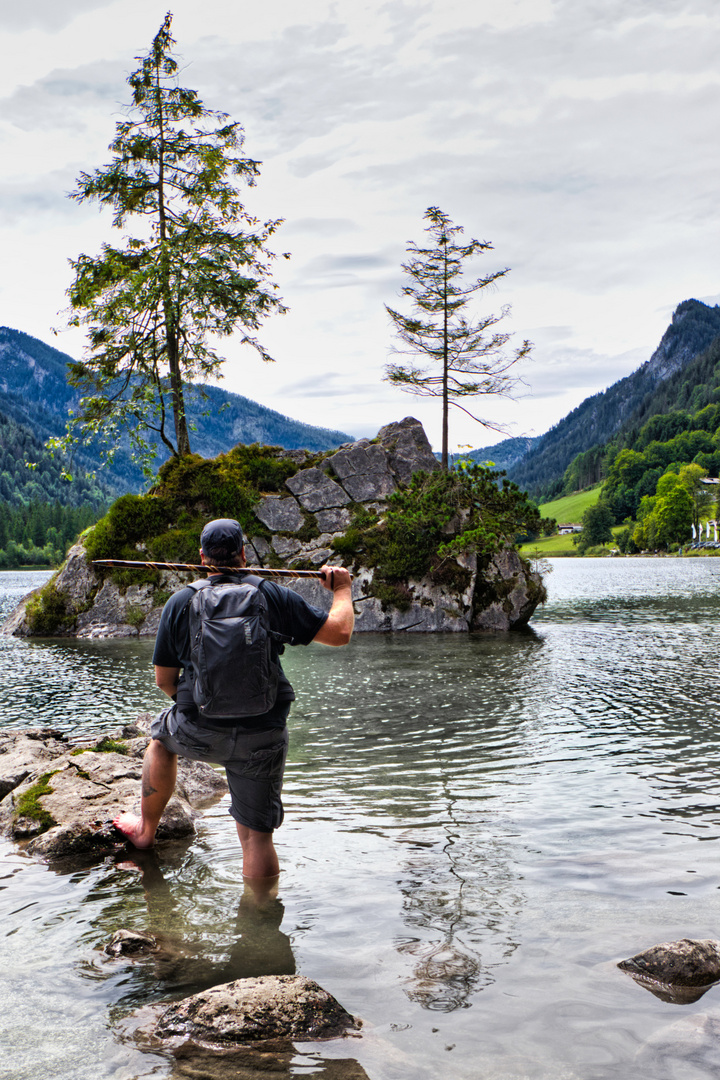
(252, 748)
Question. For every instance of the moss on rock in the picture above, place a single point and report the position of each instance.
(49, 612)
(29, 808)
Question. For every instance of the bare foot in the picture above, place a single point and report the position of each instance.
(131, 826)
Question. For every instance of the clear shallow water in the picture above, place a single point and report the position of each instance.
(477, 828)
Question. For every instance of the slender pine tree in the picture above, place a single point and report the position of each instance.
(467, 356)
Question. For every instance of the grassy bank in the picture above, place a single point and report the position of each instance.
(570, 509)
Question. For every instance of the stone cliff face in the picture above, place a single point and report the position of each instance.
(498, 593)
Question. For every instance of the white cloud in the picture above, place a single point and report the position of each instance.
(575, 135)
(47, 15)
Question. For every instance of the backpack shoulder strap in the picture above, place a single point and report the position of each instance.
(201, 583)
(251, 579)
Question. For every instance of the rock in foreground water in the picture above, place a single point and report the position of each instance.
(686, 962)
(679, 972)
(253, 1010)
(60, 797)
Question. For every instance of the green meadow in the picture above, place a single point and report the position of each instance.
(568, 510)
(571, 508)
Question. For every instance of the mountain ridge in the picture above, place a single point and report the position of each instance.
(34, 394)
(693, 328)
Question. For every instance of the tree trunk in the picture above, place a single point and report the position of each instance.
(182, 436)
(445, 402)
(172, 344)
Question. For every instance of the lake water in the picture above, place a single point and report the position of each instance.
(477, 829)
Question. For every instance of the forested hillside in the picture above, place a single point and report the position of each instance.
(34, 393)
(656, 474)
(41, 509)
(677, 423)
(29, 473)
(625, 405)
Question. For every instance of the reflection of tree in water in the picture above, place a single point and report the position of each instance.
(460, 896)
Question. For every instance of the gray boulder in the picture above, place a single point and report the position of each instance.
(252, 1010)
(407, 448)
(257, 550)
(315, 490)
(285, 546)
(25, 754)
(279, 514)
(333, 521)
(60, 798)
(506, 593)
(687, 962)
(363, 471)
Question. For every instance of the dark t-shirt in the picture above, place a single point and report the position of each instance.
(290, 615)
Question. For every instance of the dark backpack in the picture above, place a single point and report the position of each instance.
(234, 668)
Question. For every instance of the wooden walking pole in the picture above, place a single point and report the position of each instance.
(261, 571)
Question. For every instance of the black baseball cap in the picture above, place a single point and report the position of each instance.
(222, 533)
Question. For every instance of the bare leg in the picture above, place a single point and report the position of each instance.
(158, 783)
(259, 856)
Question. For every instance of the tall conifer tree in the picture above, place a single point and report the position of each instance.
(196, 269)
(468, 356)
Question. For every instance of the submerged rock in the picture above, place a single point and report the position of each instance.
(676, 971)
(59, 798)
(130, 943)
(193, 1062)
(253, 1010)
(686, 962)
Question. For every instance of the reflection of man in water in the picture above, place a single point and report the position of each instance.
(182, 960)
(253, 748)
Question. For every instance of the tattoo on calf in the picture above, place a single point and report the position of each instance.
(147, 788)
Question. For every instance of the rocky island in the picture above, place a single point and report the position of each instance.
(429, 551)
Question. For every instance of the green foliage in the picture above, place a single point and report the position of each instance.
(439, 516)
(165, 524)
(665, 518)
(128, 522)
(110, 746)
(392, 595)
(635, 471)
(597, 526)
(106, 745)
(197, 270)
(134, 616)
(48, 612)
(467, 356)
(625, 542)
(28, 804)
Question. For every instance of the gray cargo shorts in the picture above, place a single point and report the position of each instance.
(254, 762)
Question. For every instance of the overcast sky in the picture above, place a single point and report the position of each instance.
(579, 137)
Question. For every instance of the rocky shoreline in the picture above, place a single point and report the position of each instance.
(57, 800)
(58, 796)
(498, 593)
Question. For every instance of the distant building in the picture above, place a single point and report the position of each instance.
(564, 530)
